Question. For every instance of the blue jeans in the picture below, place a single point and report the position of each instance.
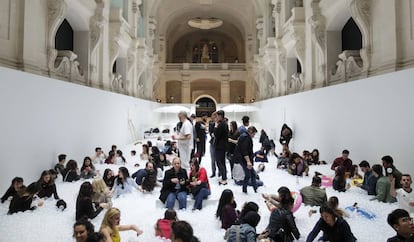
(249, 174)
(200, 196)
(180, 196)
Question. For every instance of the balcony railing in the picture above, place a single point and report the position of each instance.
(206, 66)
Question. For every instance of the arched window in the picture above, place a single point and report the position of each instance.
(351, 36)
(64, 37)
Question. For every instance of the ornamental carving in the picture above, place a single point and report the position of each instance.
(361, 13)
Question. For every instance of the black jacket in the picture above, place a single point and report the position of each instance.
(243, 148)
(70, 176)
(340, 232)
(168, 186)
(150, 180)
(398, 238)
(9, 193)
(21, 204)
(200, 132)
(85, 209)
(282, 223)
(47, 190)
(221, 135)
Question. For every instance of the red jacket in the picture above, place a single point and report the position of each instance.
(202, 176)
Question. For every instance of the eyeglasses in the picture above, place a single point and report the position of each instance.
(407, 220)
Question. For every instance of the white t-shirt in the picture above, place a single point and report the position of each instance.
(186, 129)
(404, 198)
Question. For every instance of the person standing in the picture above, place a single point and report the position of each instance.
(211, 126)
(184, 140)
(243, 154)
(200, 138)
(221, 134)
(246, 123)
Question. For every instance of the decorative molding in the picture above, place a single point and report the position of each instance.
(348, 67)
(97, 22)
(56, 14)
(361, 13)
(318, 24)
(5, 20)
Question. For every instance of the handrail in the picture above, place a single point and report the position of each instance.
(205, 66)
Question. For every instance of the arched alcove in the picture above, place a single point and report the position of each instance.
(205, 105)
(351, 36)
(343, 53)
(64, 36)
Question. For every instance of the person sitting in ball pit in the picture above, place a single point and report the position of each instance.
(26, 201)
(71, 172)
(163, 226)
(402, 223)
(334, 227)
(226, 209)
(101, 193)
(85, 208)
(82, 229)
(123, 183)
(88, 169)
(47, 186)
(15, 188)
(110, 226)
(181, 231)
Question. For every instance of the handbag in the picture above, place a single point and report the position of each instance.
(196, 189)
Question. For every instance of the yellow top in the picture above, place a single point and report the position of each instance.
(115, 236)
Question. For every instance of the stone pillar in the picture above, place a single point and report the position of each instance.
(225, 88)
(185, 88)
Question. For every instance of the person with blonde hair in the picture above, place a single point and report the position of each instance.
(101, 193)
(110, 227)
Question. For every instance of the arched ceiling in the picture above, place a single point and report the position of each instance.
(238, 15)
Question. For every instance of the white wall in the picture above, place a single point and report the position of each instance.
(42, 117)
(371, 117)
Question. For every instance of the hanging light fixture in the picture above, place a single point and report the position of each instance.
(205, 23)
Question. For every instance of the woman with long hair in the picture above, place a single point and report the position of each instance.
(110, 226)
(145, 153)
(339, 181)
(47, 186)
(109, 178)
(71, 172)
(199, 185)
(101, 193)
(123, 183)
(24, 201)
(85, 208)
(234, 135)
(87, 169)
(334, 227)
(282, 226)
(226, 209)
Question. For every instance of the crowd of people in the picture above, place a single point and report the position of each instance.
(175, 166)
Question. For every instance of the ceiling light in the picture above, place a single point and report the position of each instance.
(205, 23)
